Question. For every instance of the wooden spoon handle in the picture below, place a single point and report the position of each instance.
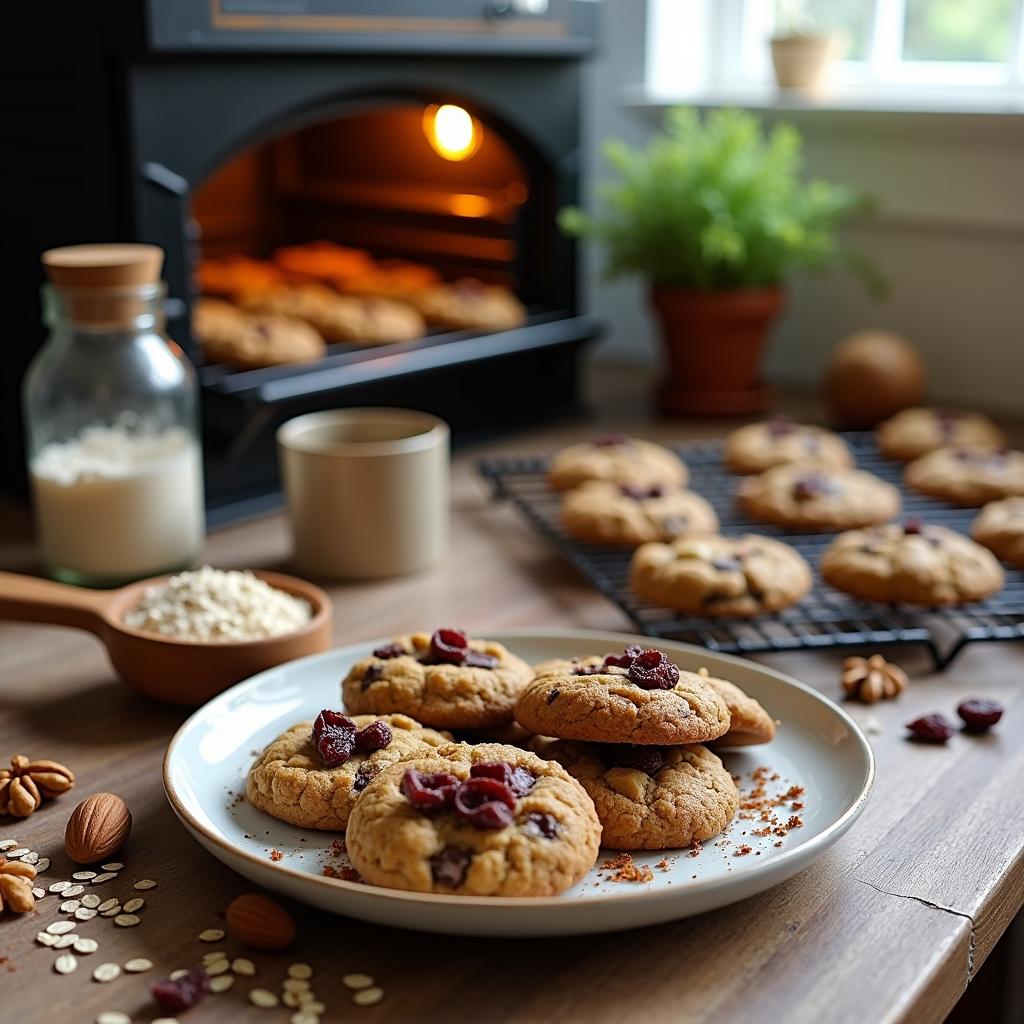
(29, 599)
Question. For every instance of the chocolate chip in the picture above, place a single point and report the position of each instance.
(552, 695)
(371, 675)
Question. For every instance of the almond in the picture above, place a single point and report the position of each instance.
(97, 828)
(260, 923)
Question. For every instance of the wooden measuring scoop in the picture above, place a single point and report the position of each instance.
(179, 671)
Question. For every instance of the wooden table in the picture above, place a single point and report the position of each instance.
(889, 926)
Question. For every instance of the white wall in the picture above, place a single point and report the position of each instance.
(949, 235)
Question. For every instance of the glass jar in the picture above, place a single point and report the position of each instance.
(111, 408)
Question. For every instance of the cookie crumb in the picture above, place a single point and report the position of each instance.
(624, 869)
(743, 850)
(276, 855)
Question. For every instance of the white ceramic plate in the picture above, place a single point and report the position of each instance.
(817, 747)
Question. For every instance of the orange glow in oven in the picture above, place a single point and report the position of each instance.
(452, 131)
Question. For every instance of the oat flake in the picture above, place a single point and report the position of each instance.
(134, 904)
(83, 876)
(216, 967)
(262, 997)
(106, 972)
(113, 1017)
(31, 858)
(46, 939)
(60, 886)
(357, 981)
(127, 920)
(105, 877)
(70, 906)
(368, 996)
(43, 864)
(138, 965)
(85, 946)
(60, 927)
(241, 965)
(221, 983)
(300, 971)
(8, 844)
(210, 934)
(92, 901)
(179, 973)
(73, 890)
(145, 883)
(107, 905)
(112, 866)
(65, 963)
(64, 941)
(38, 893)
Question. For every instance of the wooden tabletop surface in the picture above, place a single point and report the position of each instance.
(888, 926)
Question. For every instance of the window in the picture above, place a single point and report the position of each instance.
(891, 48)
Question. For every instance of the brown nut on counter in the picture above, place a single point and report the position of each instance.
(260, 923)
(872, 679)
(24, 785)
(97, 828)
(16, 886)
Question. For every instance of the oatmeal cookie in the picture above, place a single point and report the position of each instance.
(486, 820)
(911, 563)
(247, 341)
(323, 261)
(650, 798)
(291, 782)
(444, 680)
(914, 432)
(1000, 527)
(470, 305)
(968, 476)
(759, 446)
(635, 697)
(602, 512)
(620, 459)
(233, 274)
(749, 723)
(728, 576)
(817, 498)
(392, 279)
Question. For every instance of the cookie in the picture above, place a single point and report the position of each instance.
(651, 798)
(323, 261)
(392, 279)
(817, 498)
(759, 446)
(470, 305)
(230, 275)
(721, 576)
(619, 459)
(911, 563)
(444, 680)
(968, 476)
(1000, 527)
(914, 432)
(291, 782)
(602, 512)
(505, 823)
(749, 723)
(247, 342)
(634, 697)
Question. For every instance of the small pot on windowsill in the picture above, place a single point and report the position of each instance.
(803, 62)
(714, 342)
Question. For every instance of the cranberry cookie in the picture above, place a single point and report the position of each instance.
(602, 512)
(638, 696)
(311, 775)
(968, 476)
(759, 446)
(749, 723)
(444, 680)
(1000, 527)
(815, 497)
(487, 820)
(470, 305)
(914, 432)
(650, 798)
(620, 459)
(911, 563)
(727, 576)
(248, 341)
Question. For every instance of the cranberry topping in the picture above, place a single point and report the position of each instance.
(643, 759)
(979, 715)
(610, 440)
(931, 728)
(376, 736)
(429, 791)
(389, 651)
(912, 527)
(539, 824)
(477, 659)
(449, 866)
(334, 736)
(623, 660)
(811, 485)
(371, 675)
(519, 780)
(183, 993)
(485, 803)
(640, 493)
(651, 670)
(780, 426)
(449, 646)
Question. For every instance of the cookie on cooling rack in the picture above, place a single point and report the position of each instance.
(1000, 527)
(619, 459)
(968, 476)
(759, 446)
(913, 432)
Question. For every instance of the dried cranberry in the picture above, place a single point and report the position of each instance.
(376, 736)
(389, 651)
(623, 660)
(519, 780)
(371, 675)
(979, 715)
(449, 866)
(638, 493)
(610, 440)
(183, 993)
(539, 824)
(449, 646)
(334, 736)
(485, 803)
(477, 659)
(643, 759)
(931, 728)
(429, 791)
(780, 426)
(912, 526)
(810, 485)
(651, 670)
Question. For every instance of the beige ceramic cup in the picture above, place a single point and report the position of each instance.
(367, 491)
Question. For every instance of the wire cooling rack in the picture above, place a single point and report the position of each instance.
(825, 618)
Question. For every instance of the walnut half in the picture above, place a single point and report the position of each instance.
(26, 782)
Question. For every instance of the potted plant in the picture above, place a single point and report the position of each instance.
(803, 56)
(716, 215)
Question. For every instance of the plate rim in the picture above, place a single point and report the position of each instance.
(806, 852)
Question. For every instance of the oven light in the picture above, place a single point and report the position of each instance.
(452, 132)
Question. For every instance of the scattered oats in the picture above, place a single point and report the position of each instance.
(219, 966)
(84, 914)
(368, 996)
(85, 946)
(138, 965)
(241, 965)
(92, 901)
(46, 939)
(302, 1017)
(73, 890)
(179, 973)
(314, 1006)
(113, 1017)
(83, 876)
(7, 844)
(145, 883)
(112, 911)
(300, 971)
(106, 972)
(60, 886)
(357, 981)
(43, 864)
(38, 893)
(65, 963)
(222, 982)
(114, 865)
(64, 941)
(210, 934)
(18, 853)
(295, 985)
(31, 858)
(127, 920)
(214, 958)
(262, 997)
(135, 904)
(70, 906)
(61, 927)
(106, 905)
(105, 877)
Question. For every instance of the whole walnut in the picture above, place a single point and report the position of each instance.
(871, 376)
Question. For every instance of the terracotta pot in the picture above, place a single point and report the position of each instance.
(713, 342)
(804, 62)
